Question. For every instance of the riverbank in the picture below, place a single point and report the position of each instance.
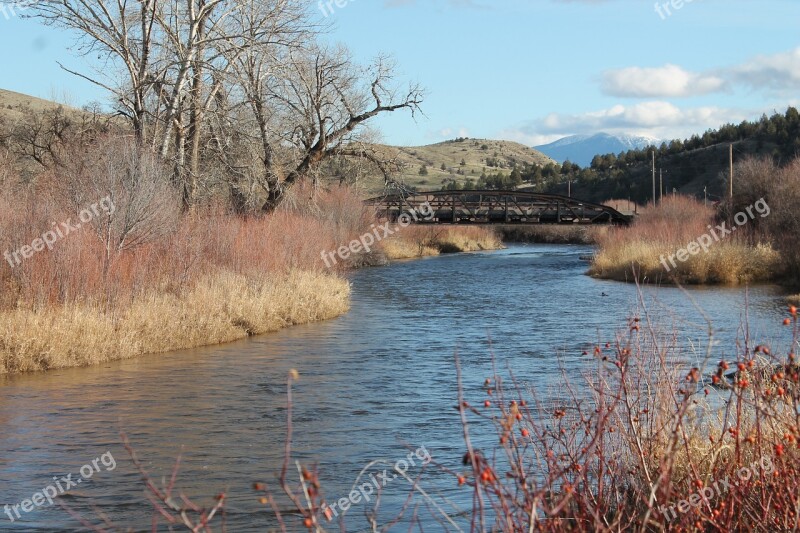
(147, 277)
(206, 279)
(220, 308)
(552, 234)
(427, 241)
(677, 243)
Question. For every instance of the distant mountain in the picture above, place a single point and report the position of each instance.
(581, 149)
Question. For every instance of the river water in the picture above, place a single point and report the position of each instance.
(372, 384)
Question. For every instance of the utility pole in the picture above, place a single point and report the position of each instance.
(705, 196)
(731, 180)
(569, 188)
(660, 184)
(654, 176)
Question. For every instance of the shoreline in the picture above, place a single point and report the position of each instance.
(226, 307)
(218, 309)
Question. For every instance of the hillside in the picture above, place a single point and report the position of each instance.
(442, 161)
(13, 105)
(460, 160)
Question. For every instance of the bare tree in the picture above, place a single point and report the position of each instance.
(120, 34)
(130, 184)
(239, 81)
(325, 103)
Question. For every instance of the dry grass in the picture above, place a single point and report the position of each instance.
(219, 308)
(553, 234)
(113, 290)
(636, 252)
(424, 241)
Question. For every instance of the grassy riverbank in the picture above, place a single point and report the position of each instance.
(147, 277)
(426, 241)
(750, 237)
(140, 275)
(219, 308)
(648, 251)
(552, 234)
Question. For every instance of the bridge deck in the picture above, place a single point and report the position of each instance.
(494, 207)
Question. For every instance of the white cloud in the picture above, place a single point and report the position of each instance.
(659, 119)
(778, 73)
(446, 134)
(659, 82)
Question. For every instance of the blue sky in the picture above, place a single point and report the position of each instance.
(532, 70)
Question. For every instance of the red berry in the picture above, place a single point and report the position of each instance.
(787, 322)
(487, 403)
(524, 432)
(308, 523)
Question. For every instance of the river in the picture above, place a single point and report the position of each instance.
(376, 380)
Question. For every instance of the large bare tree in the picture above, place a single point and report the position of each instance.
(323, 102)
(241, 83)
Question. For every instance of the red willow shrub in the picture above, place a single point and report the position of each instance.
(147, 243)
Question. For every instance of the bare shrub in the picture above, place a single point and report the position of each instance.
(780, 188)
(145, 206)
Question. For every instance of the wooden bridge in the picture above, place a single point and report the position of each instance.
(494, 207)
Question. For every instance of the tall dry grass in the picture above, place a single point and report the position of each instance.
(147, 280)
(424, 241)
(553, 233)
(636, 252)
(219, 307)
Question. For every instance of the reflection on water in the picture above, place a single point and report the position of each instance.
(372, 382)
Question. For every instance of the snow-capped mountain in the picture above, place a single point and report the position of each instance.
(581, 149)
